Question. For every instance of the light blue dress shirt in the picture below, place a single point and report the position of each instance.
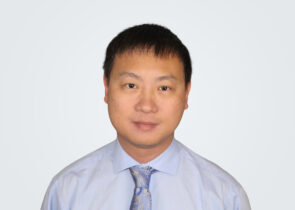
(184, 181)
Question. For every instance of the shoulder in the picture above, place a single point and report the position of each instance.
(206, 168)
(75, 176)
(87, 162)
(84, 167)
(213, 179)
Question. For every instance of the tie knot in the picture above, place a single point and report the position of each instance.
(141, 175)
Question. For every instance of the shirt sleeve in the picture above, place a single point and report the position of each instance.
(51, 198)
(243, 201)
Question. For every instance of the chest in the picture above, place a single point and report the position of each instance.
(167, 193)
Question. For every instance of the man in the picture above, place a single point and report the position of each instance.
(147, 73)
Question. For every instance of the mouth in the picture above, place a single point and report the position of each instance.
(145, 126)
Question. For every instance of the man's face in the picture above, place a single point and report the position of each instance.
(146, 97)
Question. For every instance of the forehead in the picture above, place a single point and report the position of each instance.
(147, 63)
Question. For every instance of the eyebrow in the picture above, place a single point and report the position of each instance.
(166, 77)
(130, 74)
(135, 76)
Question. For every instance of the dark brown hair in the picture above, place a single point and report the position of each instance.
(149, 37)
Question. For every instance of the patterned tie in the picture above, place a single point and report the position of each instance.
(142, 197)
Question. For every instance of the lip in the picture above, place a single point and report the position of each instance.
(145, 126)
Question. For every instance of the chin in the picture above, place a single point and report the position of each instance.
(149, 142)
(144, 144)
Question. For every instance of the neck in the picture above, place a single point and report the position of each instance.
(144, 153)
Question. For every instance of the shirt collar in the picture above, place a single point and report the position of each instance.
(166, 162)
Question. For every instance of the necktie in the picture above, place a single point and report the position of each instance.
(142, 197)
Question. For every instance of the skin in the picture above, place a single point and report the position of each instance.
(146, 98)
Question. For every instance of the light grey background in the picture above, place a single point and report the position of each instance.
(241, 107)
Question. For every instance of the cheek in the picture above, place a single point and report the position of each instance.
(172, 110)
(118, 106)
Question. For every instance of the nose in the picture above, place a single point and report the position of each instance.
(146, 102)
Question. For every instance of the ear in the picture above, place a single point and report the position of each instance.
(187, 90)
(106, 89)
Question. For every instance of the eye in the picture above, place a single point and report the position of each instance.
(164, 88)
(130, 85)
